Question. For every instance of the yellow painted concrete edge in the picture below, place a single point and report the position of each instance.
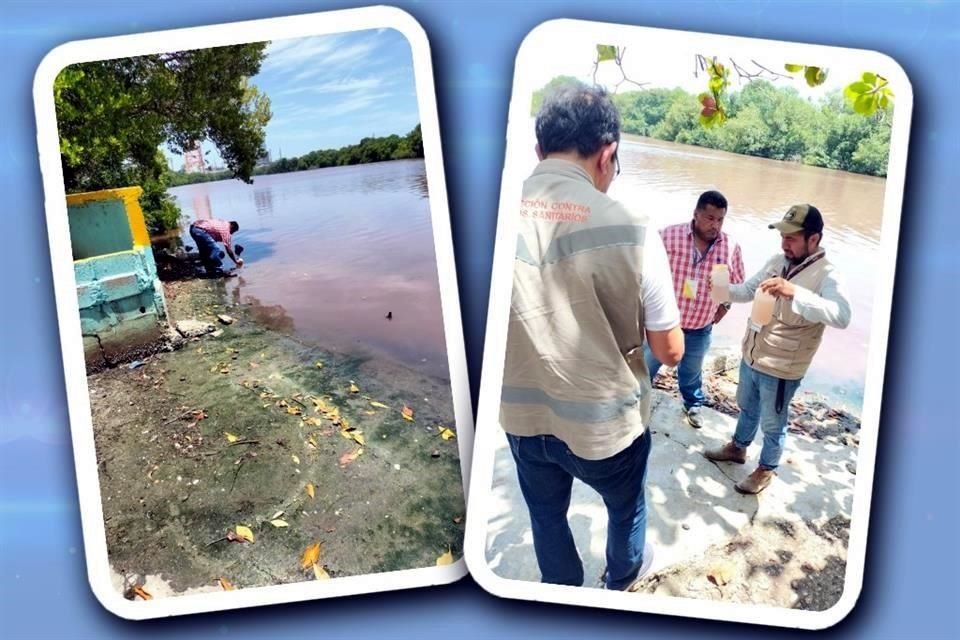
(130, 196)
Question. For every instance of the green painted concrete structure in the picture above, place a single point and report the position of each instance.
(120, 299)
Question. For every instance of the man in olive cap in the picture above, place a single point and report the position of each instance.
(777, 355)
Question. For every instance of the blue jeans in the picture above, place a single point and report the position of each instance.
(207, 248)
(696, 343)
(546, 469)
(757, 399)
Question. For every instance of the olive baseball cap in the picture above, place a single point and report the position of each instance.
(800, 217)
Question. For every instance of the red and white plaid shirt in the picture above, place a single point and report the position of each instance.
(687, 263)
(219, 230)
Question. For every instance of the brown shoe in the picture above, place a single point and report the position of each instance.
(729, 452)
(756, 481)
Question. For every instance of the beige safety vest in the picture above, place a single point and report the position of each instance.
(784, 347)
(576, 311)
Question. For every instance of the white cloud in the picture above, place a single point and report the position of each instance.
(343, 85)
(291, 54)
(352, 54)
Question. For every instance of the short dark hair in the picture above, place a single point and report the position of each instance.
(577, 117)
(234, 226)
(713, 198)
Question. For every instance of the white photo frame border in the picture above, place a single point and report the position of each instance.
(538, 43)
(78, 400)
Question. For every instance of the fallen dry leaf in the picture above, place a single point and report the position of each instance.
(140, 591)
(294, 411)
(458, 520)
(407, 413)
(310, 490)
(313, 422)
(230, 437)
(445, 433)
(245, 533)
(319, 364)
(225, 584)
(311, 556)
(279, 523)
(378, 405)
(312, 442)
(296, 460)
(353, 387)
(370, 412)
(320, 573)
(720, 573)
(445, 559)
(276, 515)
(358, 437)
(350, 456)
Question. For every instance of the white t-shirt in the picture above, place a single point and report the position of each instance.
(659, 299)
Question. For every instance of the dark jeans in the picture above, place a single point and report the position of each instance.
(207, 248)
(546, 469)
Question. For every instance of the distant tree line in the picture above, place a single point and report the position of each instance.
(393, 147)
(762, 120)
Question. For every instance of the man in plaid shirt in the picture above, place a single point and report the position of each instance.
(207, 233)
(693, 248)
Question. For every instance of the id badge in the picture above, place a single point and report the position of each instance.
(689, 289)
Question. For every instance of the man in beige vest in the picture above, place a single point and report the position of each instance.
(591, 285)
(776, 355)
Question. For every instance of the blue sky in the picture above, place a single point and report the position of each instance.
(330, 91)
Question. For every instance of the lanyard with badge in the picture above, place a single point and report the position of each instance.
(690, 285)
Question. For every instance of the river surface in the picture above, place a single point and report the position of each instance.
(330, 252)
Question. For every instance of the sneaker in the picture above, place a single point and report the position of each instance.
(729, 452)
(644, 570)
(693, 417)
(756, 481)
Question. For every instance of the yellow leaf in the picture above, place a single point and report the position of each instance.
(407, 413)
(245, 533)
(350, 456)
(358, 436)
(230, 437)
(294, 411)
(346, 434)
(225, 584)
(279, 523)
(353, 387)
(370, 412)
(296, 460)
(445, 433)
(320, 573)
(445, 559)
(310, 490)
(720, 573)
(311, 556)
(312, 442)
(276, 515)
(319, 364)
(379, 405)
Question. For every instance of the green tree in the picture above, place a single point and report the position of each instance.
(114, 115)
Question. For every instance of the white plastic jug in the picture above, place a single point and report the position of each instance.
(762, 312)
(720, 284)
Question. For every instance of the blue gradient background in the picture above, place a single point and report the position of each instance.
(911, 585)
